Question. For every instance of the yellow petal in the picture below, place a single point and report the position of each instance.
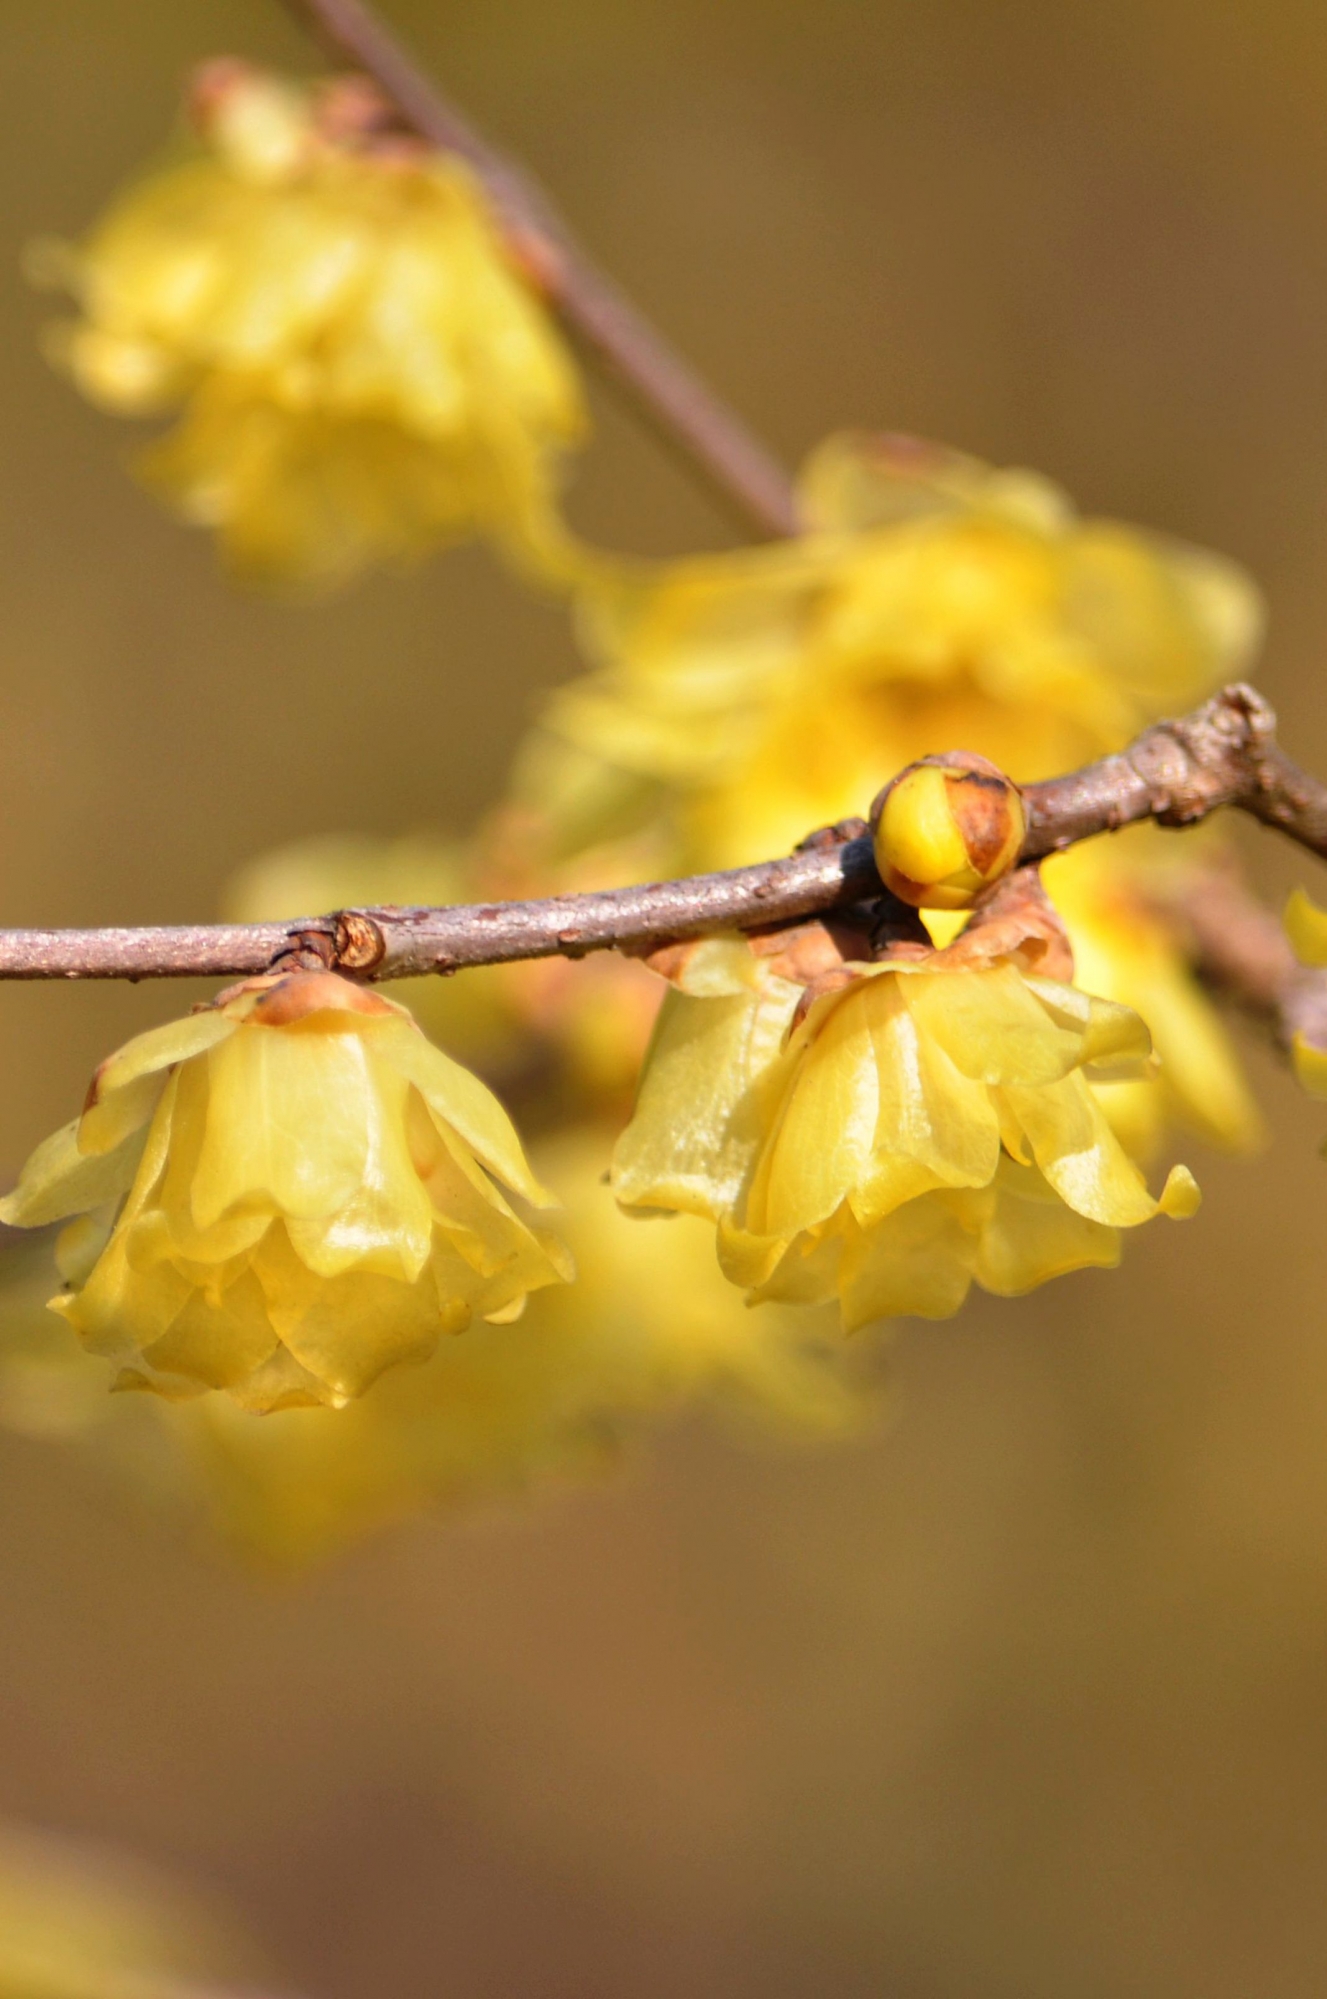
(126, 1088)
(465, 1103)
(1181, 1195)
(60, 1180)
(288, 1118)
(1306, 927)
(995, 1026)
(916, 1262)
(1032, 1235)
(704, 1096)
(1310, 1066)
(345, 1330)
(1079, 1153)
(216, 1342)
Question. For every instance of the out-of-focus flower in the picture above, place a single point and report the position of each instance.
(83, 1922)
(933, 604)
(922, 1127)
(283, 1195)
(650, 1324)
(946, 829)
(362, 370)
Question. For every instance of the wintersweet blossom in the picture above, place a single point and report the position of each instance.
(932, 604)
(281, 1196)
(360, 368)
(741, 700)
(915, 1128)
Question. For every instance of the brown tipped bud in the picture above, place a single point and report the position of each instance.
(946, 828)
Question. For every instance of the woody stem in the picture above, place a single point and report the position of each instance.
(1223, 754)
(671, 396)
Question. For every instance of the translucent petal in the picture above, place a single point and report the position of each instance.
(824, 1132)
(916, 1262)
(127, 1075)
(345, 1330)
(704, 1096)
(219, 1341)
(1031, 1236)
(288, 1119)
(1080, 1154)
(387, 1225)
(81, 1242)
(994, 1026)
(60, 1180)
(463, 1101)
(1181, 1196)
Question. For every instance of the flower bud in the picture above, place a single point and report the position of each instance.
(945, 829)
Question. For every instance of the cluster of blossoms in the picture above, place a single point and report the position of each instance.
(360, 369)
(291, 1192)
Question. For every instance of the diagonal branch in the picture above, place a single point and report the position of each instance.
(679, 406)
(1176, 773)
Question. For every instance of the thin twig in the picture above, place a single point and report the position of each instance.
(1223, 754)
(1239, 947)
(679, 406)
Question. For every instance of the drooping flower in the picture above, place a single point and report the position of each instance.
(922, 1126)
(650, 1325)
(361, 369)
(283, 1195)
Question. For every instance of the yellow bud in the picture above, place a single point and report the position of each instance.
(945, 829)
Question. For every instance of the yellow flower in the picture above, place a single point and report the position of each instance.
(650, 1324)
(363, 372)
(933, 604)
(283, 1195)
(920, 1129)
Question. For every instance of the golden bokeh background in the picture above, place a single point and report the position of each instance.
(1024, 1694)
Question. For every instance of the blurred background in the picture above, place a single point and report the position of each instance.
(1023, 1694)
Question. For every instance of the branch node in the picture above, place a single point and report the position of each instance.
(360, 945)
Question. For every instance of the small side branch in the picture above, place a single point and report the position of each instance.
(1224, 754)
(678, 405)
(1239, 948)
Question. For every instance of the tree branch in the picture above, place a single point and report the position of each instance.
(1239, 948)
(674, 400)
(1177, 772)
